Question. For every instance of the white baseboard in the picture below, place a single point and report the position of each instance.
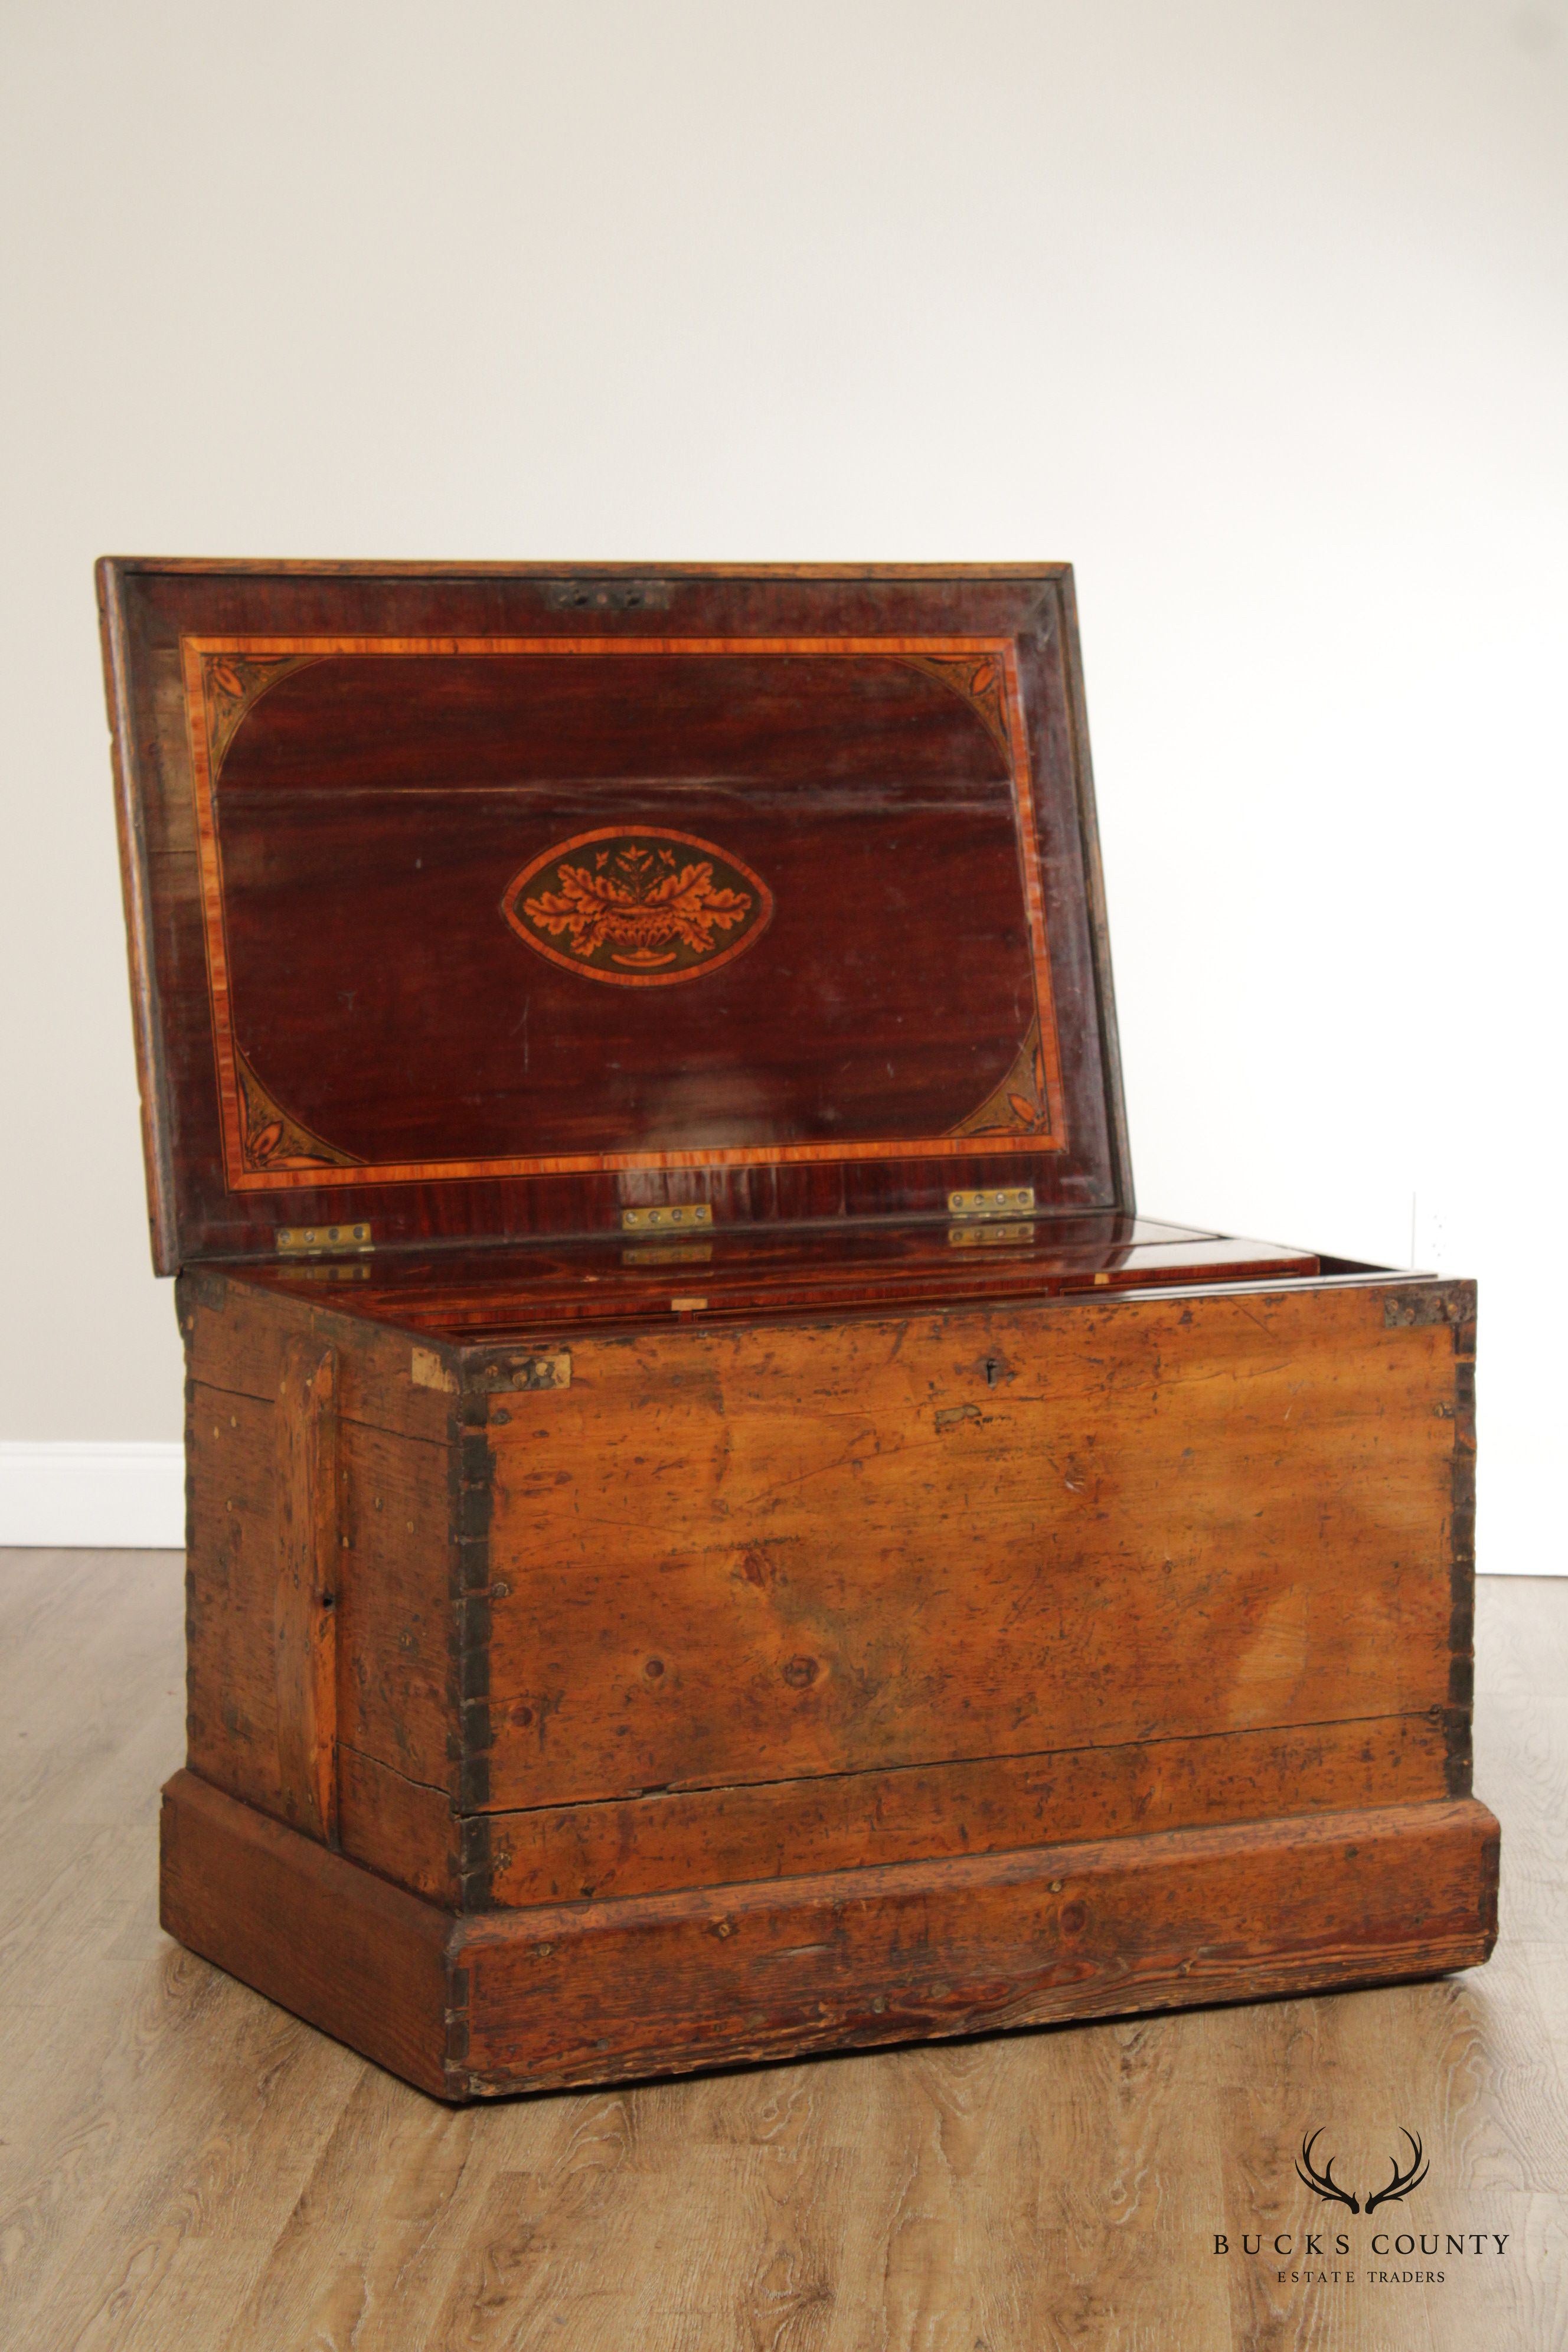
(112, 1496)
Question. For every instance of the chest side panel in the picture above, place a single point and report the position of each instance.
(344, 1720)
(745, 1557)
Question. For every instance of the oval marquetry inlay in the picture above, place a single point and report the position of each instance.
(641, 908)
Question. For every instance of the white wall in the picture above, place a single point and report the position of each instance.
(1254, 311)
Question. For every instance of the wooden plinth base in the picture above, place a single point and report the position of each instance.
(470, 2007)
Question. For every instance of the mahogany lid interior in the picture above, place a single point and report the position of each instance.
(486, 904)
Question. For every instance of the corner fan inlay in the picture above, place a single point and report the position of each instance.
(232, 685)
(271, 1138)
(1019, 1106)
(976, 682)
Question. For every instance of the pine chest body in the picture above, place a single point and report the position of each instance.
(716, 1531)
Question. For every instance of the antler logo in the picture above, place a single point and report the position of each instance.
(1403, 2182)
(638, 909)
(1323, 2182)
(1324, 2185)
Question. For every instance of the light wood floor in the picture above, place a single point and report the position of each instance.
(184, 2169)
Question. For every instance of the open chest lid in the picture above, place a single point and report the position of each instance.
(474, 903)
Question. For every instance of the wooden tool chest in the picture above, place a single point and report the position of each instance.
(715, 1530)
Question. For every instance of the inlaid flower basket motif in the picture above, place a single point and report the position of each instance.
(639, 908)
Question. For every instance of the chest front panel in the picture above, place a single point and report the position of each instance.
(759, 1555)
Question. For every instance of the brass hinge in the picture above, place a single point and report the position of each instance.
(1003, 1200)
(323, 1241)
(660, 1221)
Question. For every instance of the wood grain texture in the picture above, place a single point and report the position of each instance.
(256, 1708)
(843, 1820)
(238, 1335)
(151, 609)
(266, 1904)
(305, 1596)
(797, 1550)
(586, 1993)
(184, 2168)
(594, 1992)
(747, 1602)
(867, 774)
(481, 1297)
(406, 1830)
